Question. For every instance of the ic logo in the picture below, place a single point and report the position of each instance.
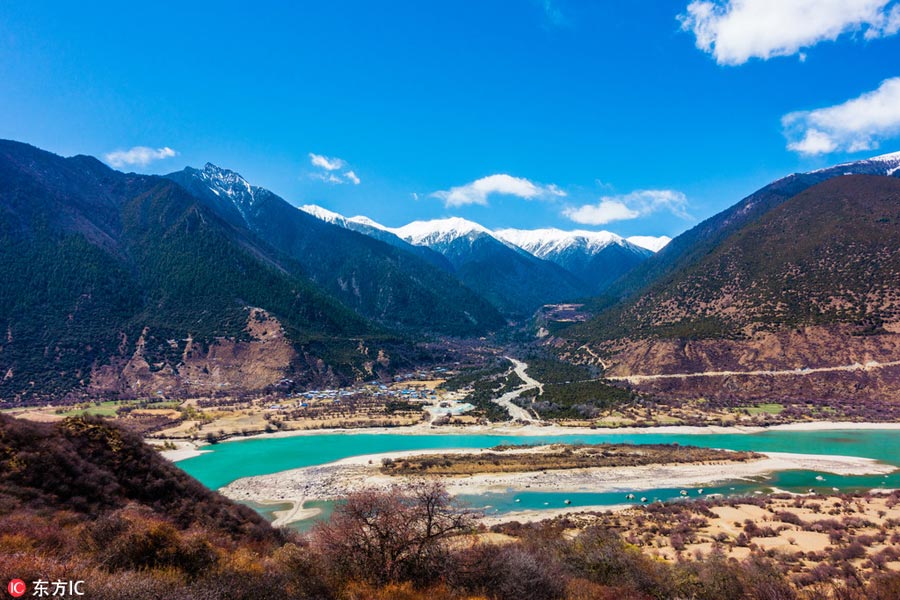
(16, 588)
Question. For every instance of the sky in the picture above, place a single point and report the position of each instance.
(640, 117)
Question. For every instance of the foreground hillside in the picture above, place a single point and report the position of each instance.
(811, 285)
(85, 501)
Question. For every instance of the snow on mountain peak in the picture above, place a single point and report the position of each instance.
(538, 242)
(228, 184)
(652, 243)
(338, 219)
(891, 162)
(544, 242)
(423, 233)
(324, 214)
(890, 157)
(225, 180)
(884, 164)
(361, 220)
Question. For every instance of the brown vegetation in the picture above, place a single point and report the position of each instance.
(84, 500)
(513, 459)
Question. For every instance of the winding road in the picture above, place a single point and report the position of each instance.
(506, 400)
(782, 373)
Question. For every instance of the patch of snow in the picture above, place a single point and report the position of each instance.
(324, 214)
(361, 220)
(649, 242)
(546, 242)
(886, 164)
(438, 231)
(224, 182)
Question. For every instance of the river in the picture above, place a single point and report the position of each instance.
(225, 462)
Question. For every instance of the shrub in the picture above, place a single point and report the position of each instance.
(388, 537)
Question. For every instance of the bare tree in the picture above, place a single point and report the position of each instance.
(398, 535)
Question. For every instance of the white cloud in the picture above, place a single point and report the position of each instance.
(324, 162)
(734, 31)
(328, 178)
(856, 125)
(329, 166)
(629, 206)
(606, 211)
(138, 156)
(479, 190)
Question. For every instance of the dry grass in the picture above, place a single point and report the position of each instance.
(559, 456)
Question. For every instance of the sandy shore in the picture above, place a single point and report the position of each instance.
(336, 480)
(295, 513)
(183, 450)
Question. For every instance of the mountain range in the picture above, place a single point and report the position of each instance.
(382, 282)
(199, 282)
(803, 275)
(509, 266)
(475, 274)
(126, 284)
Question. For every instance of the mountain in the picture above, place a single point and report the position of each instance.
(691, 246)
(370, 228)
(381, 281)
(594, 258)
(512, 279)
(811, 284)
(128, 285)
(597, 258)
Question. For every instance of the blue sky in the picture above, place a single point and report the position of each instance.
(639, 117)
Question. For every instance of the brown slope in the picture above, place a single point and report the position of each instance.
(814, 283)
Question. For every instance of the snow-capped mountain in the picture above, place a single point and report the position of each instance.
(447, 236)
(232, 194)
(370, 228)
(547, 243)
(885, 164)
(376, 274)
(325, 214)
(510, 278)
(596, 257)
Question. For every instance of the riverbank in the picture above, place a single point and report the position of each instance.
(195, 448)
(338, 479)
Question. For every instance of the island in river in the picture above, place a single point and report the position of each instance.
(628, 470)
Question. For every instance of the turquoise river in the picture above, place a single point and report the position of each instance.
(226, 462)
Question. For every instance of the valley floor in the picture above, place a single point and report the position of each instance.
(339, 479)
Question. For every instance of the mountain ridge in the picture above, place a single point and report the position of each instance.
(381, 281)
(594, 258)
(811, 283)
(124, 284)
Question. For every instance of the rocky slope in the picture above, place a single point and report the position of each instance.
(383, 282)
(119, 282)
(812, 283)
